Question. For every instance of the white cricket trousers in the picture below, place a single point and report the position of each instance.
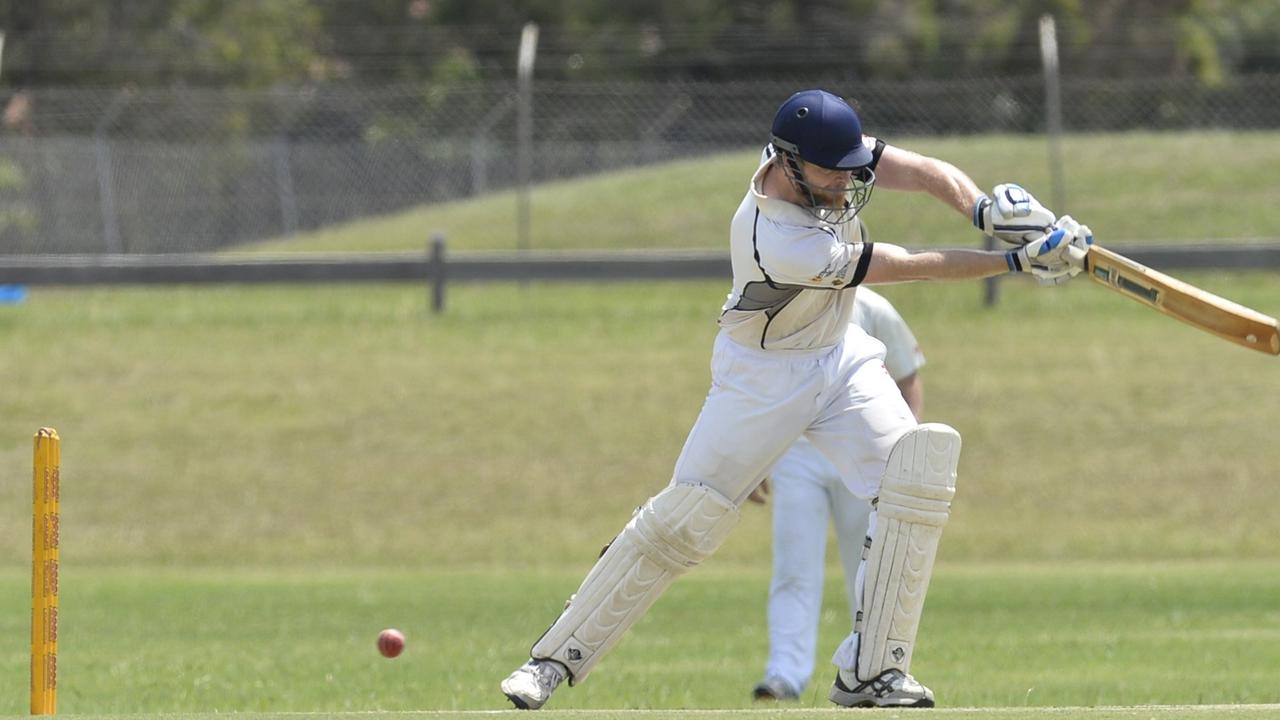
(807, 490)
(841, 398)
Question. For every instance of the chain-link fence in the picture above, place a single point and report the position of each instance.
(94, 171)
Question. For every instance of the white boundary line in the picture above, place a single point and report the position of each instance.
(1053, 710)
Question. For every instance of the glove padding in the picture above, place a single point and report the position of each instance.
(1056, 257)
(1012, 215)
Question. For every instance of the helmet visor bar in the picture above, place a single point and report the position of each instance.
(829, 204)
(838, 205)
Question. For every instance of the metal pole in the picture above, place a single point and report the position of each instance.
(284, 186)
(436, 273)
(106, 188)
(281, 150)
(524, 122)
(1053, 111)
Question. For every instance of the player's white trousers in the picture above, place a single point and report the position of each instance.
(807, 490)
(842, 399)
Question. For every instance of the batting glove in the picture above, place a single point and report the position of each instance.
(1056, 257)
(1012, 214)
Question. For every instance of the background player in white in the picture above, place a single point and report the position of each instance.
(783, 367)
(806, 490)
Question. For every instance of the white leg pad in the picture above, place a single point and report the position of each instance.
(677, 529)
(913, 506)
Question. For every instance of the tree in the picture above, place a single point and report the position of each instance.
(159, 42)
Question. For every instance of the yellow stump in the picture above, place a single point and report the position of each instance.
(44, 575)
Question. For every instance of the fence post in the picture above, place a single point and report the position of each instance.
(106, 188)
(524, 130)
(991, 286)
(282, 150)
(1053, 111)
(284, 187)
(436, 273)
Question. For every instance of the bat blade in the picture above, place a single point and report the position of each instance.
(1188, 303)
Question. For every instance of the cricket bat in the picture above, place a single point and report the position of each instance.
(1188, 303)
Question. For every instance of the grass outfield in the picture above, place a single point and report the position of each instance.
(345, 425)
(1008, 635)
(1126, 186)
(222, 446)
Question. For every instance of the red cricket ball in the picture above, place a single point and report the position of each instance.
(390, 642)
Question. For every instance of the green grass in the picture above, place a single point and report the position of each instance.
(1158, 187)
(339, 424)
(457, 473)
(1005, 635)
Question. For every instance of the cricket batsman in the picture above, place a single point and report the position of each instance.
(784, 366)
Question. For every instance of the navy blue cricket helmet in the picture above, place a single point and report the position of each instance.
(816, 127)
(822, 129)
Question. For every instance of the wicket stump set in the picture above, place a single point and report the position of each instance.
(44, 575)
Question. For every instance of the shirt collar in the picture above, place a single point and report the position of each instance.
(777, 210)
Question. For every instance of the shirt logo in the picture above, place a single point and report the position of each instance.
(836, 275)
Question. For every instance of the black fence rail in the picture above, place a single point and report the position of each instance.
(439, 269)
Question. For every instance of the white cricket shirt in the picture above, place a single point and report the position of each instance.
(794, 276)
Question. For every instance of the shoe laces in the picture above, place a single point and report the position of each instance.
(885, 683)
(546, 675)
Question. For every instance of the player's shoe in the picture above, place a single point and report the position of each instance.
(531, 685)
(891, 688)
(774, 688)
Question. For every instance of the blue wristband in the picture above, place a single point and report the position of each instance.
(1014, 263)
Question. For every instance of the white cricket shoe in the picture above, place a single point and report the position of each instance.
(891, 688)
(531, 685)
